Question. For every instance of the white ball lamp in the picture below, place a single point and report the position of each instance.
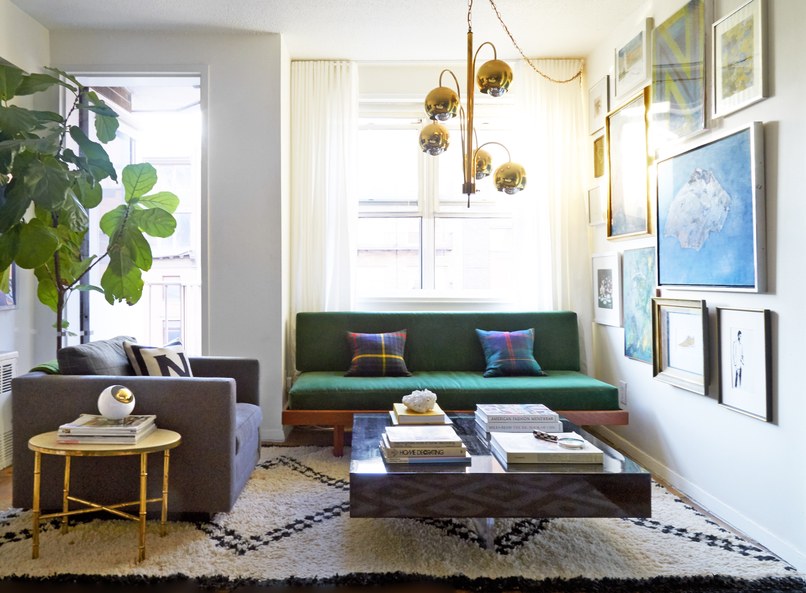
(116, 402)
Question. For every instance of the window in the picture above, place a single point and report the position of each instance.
(416, 235)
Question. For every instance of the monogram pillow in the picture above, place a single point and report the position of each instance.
(165, 361)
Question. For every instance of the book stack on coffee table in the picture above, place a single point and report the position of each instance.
(423, 443)
(92, 428)
(516, 418)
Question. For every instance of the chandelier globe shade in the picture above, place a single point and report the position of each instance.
(434, 139)
(494, 78)
(510, 178)
(484, 164)
(442, 103)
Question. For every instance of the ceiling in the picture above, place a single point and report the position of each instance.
(362, 30)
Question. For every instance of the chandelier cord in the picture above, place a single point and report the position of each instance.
(518, 47)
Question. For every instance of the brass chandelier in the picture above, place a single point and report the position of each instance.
(443, 103)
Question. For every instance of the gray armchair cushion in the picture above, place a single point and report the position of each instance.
(102, 357)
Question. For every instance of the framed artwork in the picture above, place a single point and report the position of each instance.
(8, 300)
(607, 289)
(738, 54)
(745, 361)
(628, 166)
(595, 206)
(638, 287)
(710, 214)
(680, 343)
(598, 157)
(598, 104)
(678, 75)
(632, 63)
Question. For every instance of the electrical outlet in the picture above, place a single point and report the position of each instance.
(622, 393)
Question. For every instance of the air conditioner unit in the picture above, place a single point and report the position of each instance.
(8, 368)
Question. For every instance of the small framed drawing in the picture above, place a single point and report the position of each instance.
(638, 287)
(710, 214)
(633, 63)
(8, 299)
(678, 75)
(607, 289)
(739, 54)
(628, 166)
(745, 361)
(598, 104)
(680, 343)
(595, 206)
(598, 157)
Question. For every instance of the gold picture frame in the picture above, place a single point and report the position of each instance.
(680, 343)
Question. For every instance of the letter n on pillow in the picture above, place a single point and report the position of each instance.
(167, 361)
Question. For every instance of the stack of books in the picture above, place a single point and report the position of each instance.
(402, 415)
(516, 418)
(423, 444)
(94, 429)
(523, 447)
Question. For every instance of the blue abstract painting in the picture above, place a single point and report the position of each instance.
(707, 215)
(638, 288)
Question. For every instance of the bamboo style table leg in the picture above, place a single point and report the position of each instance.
(65, 493)
(35, 527)
(141, 547)
(166, 459)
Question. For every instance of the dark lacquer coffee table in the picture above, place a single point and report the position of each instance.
(484, 488)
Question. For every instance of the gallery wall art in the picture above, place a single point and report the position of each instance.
(638, 288)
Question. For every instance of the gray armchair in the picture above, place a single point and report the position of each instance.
(216, 411)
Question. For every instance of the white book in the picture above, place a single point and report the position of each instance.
(523, 447)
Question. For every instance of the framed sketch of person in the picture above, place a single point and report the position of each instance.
(745, 361)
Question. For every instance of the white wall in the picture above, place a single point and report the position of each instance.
(244, 82)
(746, 471)
(24, 43)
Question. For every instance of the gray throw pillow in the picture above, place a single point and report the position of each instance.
(102, 357)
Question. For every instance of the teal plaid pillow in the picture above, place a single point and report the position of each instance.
(509, 353)
(378, 355)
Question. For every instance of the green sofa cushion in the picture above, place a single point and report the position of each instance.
(456, 390)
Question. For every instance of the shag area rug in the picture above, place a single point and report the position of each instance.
(292, 526)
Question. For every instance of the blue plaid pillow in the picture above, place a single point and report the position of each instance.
(509, 353)
(378, 355)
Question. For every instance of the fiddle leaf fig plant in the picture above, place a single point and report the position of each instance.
(48, 188)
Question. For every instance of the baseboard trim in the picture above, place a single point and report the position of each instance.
(713, 505)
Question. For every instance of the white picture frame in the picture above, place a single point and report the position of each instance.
(680, 343)
(607, 303)
(596, 207)
(633, 63)
(598, 104)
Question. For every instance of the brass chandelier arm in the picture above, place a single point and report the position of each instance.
(455, 81)
(576, 76)
(509, 157)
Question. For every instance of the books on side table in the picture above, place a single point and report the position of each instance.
(516, 418)
(523, 447)
(402, 415)
(423, 443)
(95, 429)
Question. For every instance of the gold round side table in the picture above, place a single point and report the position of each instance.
(46, 443)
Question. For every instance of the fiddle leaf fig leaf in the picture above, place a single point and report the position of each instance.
(36, 82)
(138, 180)
(122, 280)
(47, 181)
(138, 247)
(155, 222)
(106, 120)
(14, 202)
(46, 289)
(9, 245)
(113, 220)
(37, 244)
(5, 280)
(165, 200)
(97, 159)
(10, 79)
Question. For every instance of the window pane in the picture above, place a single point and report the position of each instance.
(389, 169)
(473, 254)
(388, 255)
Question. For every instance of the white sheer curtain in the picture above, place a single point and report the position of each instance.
(324, 128)
(551, 218)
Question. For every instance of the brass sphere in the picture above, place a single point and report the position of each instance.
(442, 103)
(510, 178)
(494, 77)
(484, 164)
(434, 139)
(123, 394)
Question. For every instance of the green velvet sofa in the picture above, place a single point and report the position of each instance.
(445, 356)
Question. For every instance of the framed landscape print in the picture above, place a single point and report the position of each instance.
(710, 214)
(678, 75)
(628, 162)
(598, 104)
(739, 48)
(680, 343)
(8, 299)
(607, 289)
(745, 361)
(638, 288)
(598, 157)
(632, 63)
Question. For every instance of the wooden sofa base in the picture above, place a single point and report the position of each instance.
(341, 419)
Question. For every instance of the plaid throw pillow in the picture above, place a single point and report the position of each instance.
(378, 355)
(509, 353)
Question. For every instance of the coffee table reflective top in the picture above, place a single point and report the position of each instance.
(619, 487)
